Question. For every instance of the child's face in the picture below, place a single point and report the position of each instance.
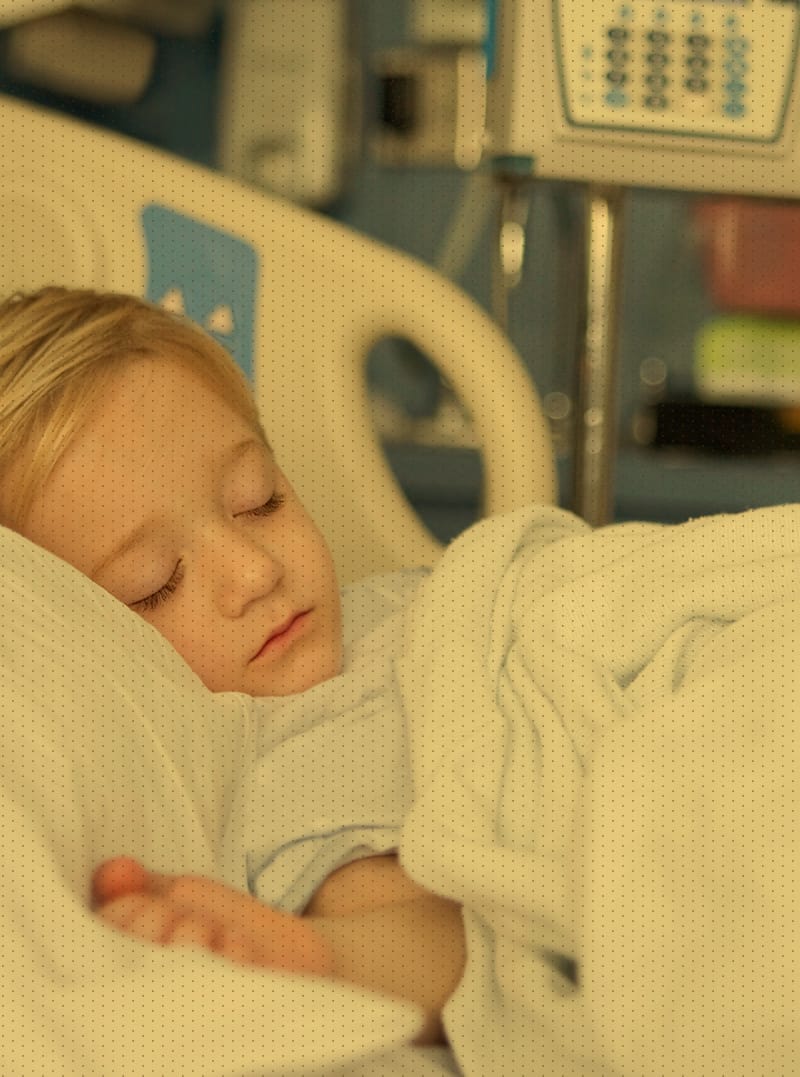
(216, 562)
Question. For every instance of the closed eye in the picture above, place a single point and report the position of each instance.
(268, 507)
(163, 593)
(153, 601)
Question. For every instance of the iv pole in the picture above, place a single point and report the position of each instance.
(595, 421)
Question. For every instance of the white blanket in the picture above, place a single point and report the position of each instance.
(604, 753)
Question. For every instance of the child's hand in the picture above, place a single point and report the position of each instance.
(397, 943)
(183, 910)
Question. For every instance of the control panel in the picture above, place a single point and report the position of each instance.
(688, 94)
(720, 69)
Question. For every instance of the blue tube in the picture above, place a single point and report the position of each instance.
(490, 41)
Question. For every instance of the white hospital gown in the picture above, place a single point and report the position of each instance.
(332, 783)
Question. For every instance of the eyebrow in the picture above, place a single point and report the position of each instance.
(239, 450)
(140, 533)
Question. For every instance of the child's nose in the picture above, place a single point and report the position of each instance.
(247, 570)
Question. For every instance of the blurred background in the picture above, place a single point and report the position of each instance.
(371, 112)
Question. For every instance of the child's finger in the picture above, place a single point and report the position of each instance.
(235, 947)
(154, 922)
(192, 931)
(122, 911)
(122, 875)
(197, 894)
(278, 939)
(275, 939)
(142, 916)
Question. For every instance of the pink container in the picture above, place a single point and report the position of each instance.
(751, 253)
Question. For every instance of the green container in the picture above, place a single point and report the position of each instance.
(747, 359)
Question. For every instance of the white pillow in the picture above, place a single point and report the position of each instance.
(108, 745)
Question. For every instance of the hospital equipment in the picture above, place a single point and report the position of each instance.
(298, 300)
(692, 95)
(76, 53)
(432, 106)
(286, 103)
(164, 16)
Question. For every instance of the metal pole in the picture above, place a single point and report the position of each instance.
(595, 431)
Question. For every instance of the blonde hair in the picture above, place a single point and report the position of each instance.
(59, 349)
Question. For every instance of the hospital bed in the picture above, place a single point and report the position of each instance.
(298, 299)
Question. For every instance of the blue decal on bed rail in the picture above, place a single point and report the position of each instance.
(204, 273)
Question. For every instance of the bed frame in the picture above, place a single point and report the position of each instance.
(298, 299)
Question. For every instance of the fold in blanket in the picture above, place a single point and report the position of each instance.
(603, 742)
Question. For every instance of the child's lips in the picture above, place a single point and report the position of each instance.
(283, 636)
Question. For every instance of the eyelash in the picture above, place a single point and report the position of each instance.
(153, 601)
(268, 507)
(163, 593)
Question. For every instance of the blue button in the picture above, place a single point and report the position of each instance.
(697, 64)
(736, 67)
(734, 108)
(616, 98)
(737, 45)
(618, 57)
(735, 88)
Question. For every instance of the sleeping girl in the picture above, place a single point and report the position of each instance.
(131, 448)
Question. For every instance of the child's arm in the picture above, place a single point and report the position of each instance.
(395, 950)
(362, 885)
(412, 949)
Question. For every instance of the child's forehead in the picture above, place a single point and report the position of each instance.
(174, 379)
(157, 409)
(174, 371)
